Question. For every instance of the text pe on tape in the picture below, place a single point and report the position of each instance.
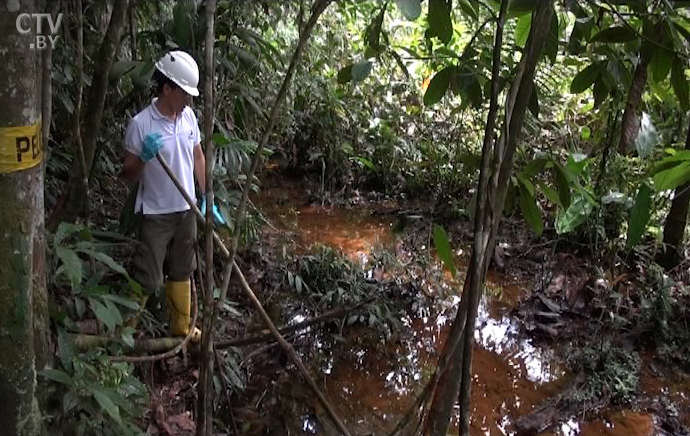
(20, 148)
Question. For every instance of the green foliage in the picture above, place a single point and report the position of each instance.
(92, 396)
(639, 215)
(443, 249)
(608, 372)
(81, 264)
(411, 9)
(328, 280)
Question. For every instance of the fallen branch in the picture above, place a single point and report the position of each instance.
(82, 342)
(265, 337)
(556, 409)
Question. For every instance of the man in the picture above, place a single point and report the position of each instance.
(168, 127)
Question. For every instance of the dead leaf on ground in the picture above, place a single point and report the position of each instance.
(183, 421)
(556, 285)
(160, 420)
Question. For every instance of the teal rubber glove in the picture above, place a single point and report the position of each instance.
(217, 217)
(152, 143)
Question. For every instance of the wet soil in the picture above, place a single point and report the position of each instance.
(372, 383)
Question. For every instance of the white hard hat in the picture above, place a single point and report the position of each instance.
(181, 68)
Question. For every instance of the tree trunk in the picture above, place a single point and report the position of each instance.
(72, 201)
(22, 246)
(461, 339)
(630, 123)
(674, 228)
(205, 403)
(40, 299)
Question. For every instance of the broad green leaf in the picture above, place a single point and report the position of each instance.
(600, 91)
(57, 375)
(345, 74)
(584, 79)
(225, 62)
(639, 215)
(366, 162)
(107, 260)
(106, 403)
(438, 86)
(220, 140)
(80, 306)
(65, 348)
(671, 161)
(647, 137)
(411, 9)
(518, 8)
(576, 164)
(672, 178)
(117, 316)
(660, 64)
(473, 92)
(127, 335)
(615, 34)
(104, 314)
(550, 193)
(122, 301)
(361, 70)
(440, 24)
(64, 231)
(246, 58)
(534, 167)
(72, 264)
(561, 181)
(470, 8)
(373, 36)
(530, 210)
(552, 40)
(184, 14)
(682, 30)
(524, 23)
(443, 249)
(585, 132)
(620, 72)
(574, 215)
(680, 83)
(526, 184)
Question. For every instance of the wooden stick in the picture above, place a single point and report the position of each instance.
(206, 390)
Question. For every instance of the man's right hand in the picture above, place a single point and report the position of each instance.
(152, 143)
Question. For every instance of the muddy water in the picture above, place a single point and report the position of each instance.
(373, 386)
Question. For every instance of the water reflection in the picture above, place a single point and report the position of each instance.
(376, 385)
(501, 335)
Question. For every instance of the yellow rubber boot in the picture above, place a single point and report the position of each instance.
(178, 296)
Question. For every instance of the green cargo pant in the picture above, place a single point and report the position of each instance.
(166, 250)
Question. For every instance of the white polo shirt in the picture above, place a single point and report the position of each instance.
(157, 193)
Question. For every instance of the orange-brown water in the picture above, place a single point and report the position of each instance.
(372, 387)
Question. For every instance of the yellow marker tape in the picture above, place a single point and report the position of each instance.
(20, 148)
